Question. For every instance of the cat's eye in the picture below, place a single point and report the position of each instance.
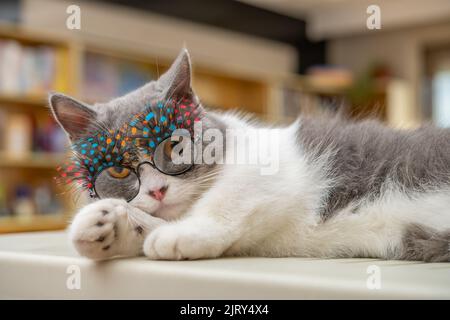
(168, 148)
(171, 157)
(118, 172)
(117, 182)
(174, 156)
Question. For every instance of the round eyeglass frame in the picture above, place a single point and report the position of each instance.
(135, 171)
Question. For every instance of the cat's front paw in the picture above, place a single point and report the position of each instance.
(179, 242)
(95, 229)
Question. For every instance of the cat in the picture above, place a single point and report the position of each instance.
(343, 189)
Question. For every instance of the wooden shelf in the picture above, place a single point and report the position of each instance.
(31, 37)
(34, 160)
(33, 223)
(307, 85)
(23, 100)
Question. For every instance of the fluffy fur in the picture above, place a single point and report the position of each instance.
(343, 189)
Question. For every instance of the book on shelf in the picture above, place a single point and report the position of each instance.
(22, 135)
(25, 200)
(106, 77)
(27, 70)
(22, 138)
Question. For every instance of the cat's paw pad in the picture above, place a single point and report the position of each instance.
(174, 242)
(95, 229)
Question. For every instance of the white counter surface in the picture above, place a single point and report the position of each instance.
(39, 265)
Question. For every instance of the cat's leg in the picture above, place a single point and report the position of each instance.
(207, 231)
(109, 228)
(394, 227)
(194, 237)
(380, 237)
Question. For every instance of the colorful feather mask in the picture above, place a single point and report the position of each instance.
(139, 136)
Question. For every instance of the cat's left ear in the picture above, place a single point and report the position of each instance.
(75, 117)
(177, 81)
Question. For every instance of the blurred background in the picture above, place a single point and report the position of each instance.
(276, 59)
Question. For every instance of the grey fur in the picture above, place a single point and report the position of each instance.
(366, 156)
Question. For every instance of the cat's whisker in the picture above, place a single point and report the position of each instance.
(157, 67)
(205, 178)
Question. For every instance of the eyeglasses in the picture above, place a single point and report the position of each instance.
(170, 158)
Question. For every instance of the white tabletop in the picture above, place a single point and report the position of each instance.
(40, 265)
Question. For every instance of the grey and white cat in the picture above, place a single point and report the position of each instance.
(343, 189)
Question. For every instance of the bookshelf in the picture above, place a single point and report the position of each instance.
(38, 160)
(31, 145)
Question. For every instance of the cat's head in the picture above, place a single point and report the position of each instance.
(161, 194)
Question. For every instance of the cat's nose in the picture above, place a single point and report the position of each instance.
(158, 194)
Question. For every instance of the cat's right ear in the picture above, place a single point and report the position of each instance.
(73, 116)
(176, 82)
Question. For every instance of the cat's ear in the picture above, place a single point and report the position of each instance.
(176, 82)
(73, 116)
